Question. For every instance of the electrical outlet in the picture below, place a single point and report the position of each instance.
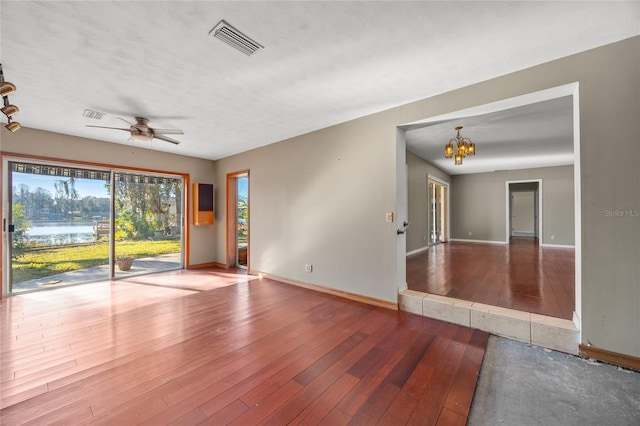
(553, 237)
(470, 233)
(308, 267)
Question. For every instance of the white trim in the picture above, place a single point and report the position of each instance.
(558, 246)
(459, 240)
(403, 287)
(577, 206)
(448, 201)
(416, 251)
(443, 182)
(504, 104)
(577, 321)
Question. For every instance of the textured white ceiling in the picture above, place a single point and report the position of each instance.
(323, 62)
(534, 135)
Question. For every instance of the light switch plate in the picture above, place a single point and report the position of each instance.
(389, 217)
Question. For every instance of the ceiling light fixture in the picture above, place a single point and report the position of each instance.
(9, 110)
(13, 126)
(6, 89)
(464, 147)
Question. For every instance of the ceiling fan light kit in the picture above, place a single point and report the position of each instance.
(464, 148)
(6, 88)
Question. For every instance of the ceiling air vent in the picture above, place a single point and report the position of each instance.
(235, 38)
(96, 115)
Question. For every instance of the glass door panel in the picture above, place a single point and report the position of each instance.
(437, 212)
(57, 234)
(148, 223)
(242, 223)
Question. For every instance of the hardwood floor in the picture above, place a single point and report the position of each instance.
(522, 275)
(216, 347)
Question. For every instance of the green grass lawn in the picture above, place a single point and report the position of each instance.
(50, 261)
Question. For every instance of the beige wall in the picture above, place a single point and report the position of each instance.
(57, 146)
(609, 102)
(478, 204)
(419, 206)
(320, 198)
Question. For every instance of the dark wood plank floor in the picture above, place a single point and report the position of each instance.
(522, 275)
(214, 347)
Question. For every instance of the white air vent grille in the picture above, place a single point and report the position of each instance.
(95, 115)
(235, 38)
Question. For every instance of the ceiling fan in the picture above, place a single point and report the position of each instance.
(141, 131)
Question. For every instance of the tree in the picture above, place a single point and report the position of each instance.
(66, 195)
(19, 235)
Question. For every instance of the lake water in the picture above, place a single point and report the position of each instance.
(61, 233)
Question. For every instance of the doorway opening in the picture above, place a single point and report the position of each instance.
(568, 91)
(238, 220)
(524, 218)
(438, 210)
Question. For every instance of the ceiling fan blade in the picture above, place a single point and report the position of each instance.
(168, 132)
(113, 128)
(126, 121)
(166, 139)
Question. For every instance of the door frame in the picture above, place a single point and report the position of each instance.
(537, 207)
(232, 218)
(569, 89)
(5, 172)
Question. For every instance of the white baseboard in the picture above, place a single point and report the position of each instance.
(416, 251)
(458, 240)
(558, 245)
(402, 287)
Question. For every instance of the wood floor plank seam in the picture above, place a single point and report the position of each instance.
(252, 351)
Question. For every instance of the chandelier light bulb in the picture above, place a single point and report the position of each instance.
(464, 147)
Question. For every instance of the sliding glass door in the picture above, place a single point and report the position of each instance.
(69, 225)
(148, 223)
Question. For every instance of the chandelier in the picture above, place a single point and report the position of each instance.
(464, 147)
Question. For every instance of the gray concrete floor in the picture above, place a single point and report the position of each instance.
(525, 385)
(99, 273)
